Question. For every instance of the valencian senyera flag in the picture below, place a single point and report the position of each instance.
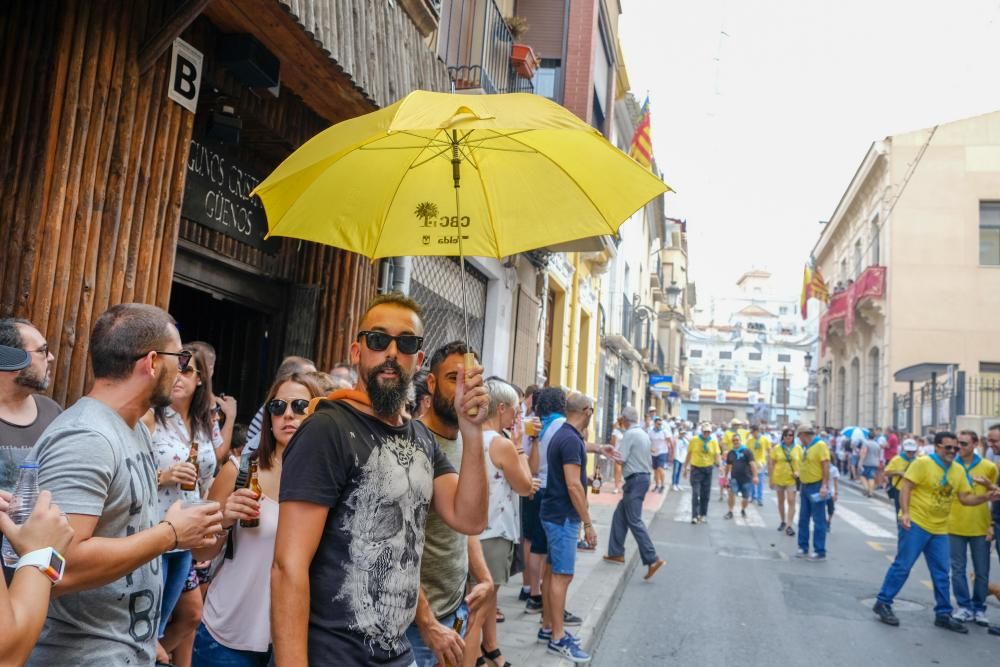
(641, 149)
(813, 287)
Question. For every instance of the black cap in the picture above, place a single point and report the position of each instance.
(13, 359)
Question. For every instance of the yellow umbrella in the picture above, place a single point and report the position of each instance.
(382, 184)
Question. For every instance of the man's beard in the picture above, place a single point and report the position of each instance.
(30, 379)
(444, 408)
(161, 397)
(389, 397)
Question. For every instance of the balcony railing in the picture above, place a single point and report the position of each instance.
(476, 44)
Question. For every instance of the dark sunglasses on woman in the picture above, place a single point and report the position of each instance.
(378, 341)
(277, 406)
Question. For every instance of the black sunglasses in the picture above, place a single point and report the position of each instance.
(183, 358)
(277, 406)
(950, 448)
(378, 341)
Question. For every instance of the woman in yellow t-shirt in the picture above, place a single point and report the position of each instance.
(783, 465)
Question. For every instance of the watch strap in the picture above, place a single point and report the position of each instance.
(42, 559)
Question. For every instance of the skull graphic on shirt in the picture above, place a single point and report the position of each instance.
(386, 524)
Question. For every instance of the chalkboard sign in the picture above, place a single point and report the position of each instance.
(217, 195)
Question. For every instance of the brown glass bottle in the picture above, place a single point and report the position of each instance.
(193, 460)
(596, 482)
(254, 485)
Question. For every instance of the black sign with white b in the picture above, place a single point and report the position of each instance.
(217, 195)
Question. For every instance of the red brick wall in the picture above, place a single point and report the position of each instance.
(580, 44)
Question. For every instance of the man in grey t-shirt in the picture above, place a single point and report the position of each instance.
(636, 465)
(96, 459)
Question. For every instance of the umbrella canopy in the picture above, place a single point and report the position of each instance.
(385, 184)
(855, 433)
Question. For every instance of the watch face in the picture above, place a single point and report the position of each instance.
(56, 565)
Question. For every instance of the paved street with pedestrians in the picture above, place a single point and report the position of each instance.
(732, 591)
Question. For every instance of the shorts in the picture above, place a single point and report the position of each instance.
(659, 461)
(741, 489)
(786, 487)
(868, 472)
(499, 555)
(192, 581)
(422, 655)
(562, 539)
(531, 524)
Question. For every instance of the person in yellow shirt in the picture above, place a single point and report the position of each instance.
(758, 443)
(702, 455)
(814, 474)
(970, 532)
(930, 487)
(896, 468)
(783, 465)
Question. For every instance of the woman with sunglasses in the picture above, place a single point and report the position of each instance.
(235, 627)
(175, 428)
(783, 470)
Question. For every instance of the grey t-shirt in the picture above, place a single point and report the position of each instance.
(16, 441)
(872, 452)
(445, 565)
(95, 464)
(634, 449)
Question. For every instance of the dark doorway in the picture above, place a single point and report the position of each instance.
(242, 339)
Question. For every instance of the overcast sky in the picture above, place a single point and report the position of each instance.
(763, 109)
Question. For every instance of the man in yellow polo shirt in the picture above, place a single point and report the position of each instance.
(783, 468)
(931, 484)
(702, 455)
(759, 444)
(970, 531)
(815, 477)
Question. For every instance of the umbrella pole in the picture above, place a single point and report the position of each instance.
(456, 174)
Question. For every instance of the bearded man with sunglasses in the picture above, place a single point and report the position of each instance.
(358, 481)
(96, 458)
(930, 486)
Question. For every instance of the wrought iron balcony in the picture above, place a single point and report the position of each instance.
(476, 44)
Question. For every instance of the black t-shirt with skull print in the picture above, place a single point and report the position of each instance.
(377, 481)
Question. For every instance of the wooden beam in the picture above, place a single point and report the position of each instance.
(156, 46)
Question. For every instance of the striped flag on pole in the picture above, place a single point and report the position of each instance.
(641, 149)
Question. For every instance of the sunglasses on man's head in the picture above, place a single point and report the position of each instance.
(378, 341)
(278, 406)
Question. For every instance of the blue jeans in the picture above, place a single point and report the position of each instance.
(210, 653)
(628, 516)
(936, 550)
(678, 468)
(175, 565)
(758, 489)
(980, 550)
(562, 538)
(423, 656)
(815, 511)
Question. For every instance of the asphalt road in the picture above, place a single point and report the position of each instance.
(732, 593)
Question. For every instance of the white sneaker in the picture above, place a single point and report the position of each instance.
(963, 615)
(980, 618)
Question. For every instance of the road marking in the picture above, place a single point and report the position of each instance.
(876, 546)
(862, 524)
(927, 583)
(753, 520)
(683, 512)
(890, 558)
(885, 513)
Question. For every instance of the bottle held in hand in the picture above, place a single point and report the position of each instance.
(254, 485)
(21, 503)
(193, 460)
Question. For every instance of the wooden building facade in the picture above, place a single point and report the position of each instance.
(112, 192)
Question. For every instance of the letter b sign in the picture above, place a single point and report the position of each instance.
(185, 75)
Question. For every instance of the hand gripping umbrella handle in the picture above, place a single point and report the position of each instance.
(470, 362)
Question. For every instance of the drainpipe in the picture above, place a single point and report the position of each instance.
(402, 269)
(540, 378)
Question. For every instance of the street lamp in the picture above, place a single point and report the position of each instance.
(673, 295)
(809, 360)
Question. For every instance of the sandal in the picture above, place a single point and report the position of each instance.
(583, 546)
(500, 617)
(492, 657)
(790, 532)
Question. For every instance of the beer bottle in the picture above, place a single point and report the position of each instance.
(596, 481)
(193, 460)
(254, 485)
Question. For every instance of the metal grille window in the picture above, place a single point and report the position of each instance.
(526, 339)
(436, 285)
